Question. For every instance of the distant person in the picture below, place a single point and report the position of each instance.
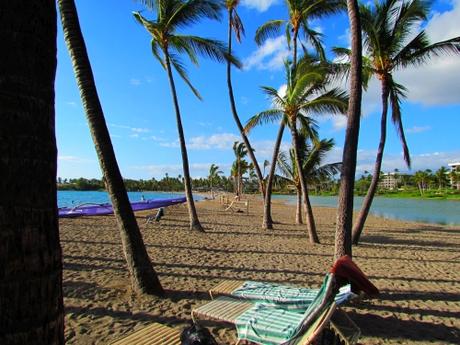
(160, 213)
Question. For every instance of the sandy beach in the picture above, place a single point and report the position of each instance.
(415, 266)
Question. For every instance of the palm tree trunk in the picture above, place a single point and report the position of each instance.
(143, 276)
(31, 299)
(267, 222)
(347, 181)
(298, 212)
(235, 113)
(311, 227)
(194, 221)
(365, 208)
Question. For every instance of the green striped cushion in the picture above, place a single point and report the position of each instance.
(270, 325)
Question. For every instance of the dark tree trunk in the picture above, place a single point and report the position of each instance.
(367, 203)
(298, 212)
(267, 222)
(311, 227)
(143, 276)
(31, 306)
(194, 221)
(235, 113)
(347, 180)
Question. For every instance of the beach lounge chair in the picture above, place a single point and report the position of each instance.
(269, 325)
(154, 334)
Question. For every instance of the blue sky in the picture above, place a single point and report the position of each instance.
(137, 104)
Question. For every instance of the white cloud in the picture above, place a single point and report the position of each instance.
(135, 132)
(215, 141)
(135, 82)
(71, 103)
(269, 56)
(140, 130)
(259, 5)
(418, 129)
(197, 170)
(74, 159)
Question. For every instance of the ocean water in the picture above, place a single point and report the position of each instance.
(446, 212)
(69, 198)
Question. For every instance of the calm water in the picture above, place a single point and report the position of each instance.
(73, 198)
(427, 211)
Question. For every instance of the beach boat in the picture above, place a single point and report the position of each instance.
(90, 209)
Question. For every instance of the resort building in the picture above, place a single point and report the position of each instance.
(389, 181)
(455, 168)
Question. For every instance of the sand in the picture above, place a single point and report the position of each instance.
(415, 266)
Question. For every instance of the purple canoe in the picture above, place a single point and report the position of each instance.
(105, 209)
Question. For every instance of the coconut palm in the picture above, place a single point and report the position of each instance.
(31, 296)
(442, 177)
(143, 276)
(306, 94)
(240, 165)
(166, 44)
(235, 25)
(214, 173)
(388, 28)
(300, 12)
(312, 156)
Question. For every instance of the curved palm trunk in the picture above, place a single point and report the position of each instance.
(298, 212)
(267, 222)
(31, 306)
(235, 113)
(194, 221)
(347, 181)
(311, 227)
(365, 208)
(143, 276)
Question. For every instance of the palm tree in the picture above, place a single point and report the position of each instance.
(240, 151)
(213, 174)
(300, 12)
(387, 29)
(235, 25)
(422, 178)
(143, 276)
(311, 158)
(306, 94)
(30, 256)
(442, 177)
(166, 44)
(350, 147)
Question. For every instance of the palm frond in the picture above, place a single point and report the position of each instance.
(419, 51)
(180, 69)
(274, 96)
(321, 8)
(334, 101)
(267, 116)
(156, 53)
(397, 92)
(180, 45)
(308, 128)
(213, 49)
(237, 26)
(285, 169)
(267, 30)
(315, 38)
(192, 11)
(150, 26)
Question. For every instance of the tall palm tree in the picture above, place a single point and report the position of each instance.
(240, 151)
(388, 28)
(166, 44)
(235, 25)
(344, 220)
(214, 173)
(311, 158)
(300, 12)
(442, 177)
(143, 276)
(31, 298)
(306, 94)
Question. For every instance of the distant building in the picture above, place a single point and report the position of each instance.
(389, 181)
(455, 167)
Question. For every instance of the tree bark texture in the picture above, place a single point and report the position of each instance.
(267, 222)
(31, 299)
(245, 138)
(347, 180)
(310, 220)
(367, 202)
(143, 276)
(193, 216)
(298, 212)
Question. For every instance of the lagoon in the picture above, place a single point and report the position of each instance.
(445, 212)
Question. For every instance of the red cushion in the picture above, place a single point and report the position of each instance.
(345, 268)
